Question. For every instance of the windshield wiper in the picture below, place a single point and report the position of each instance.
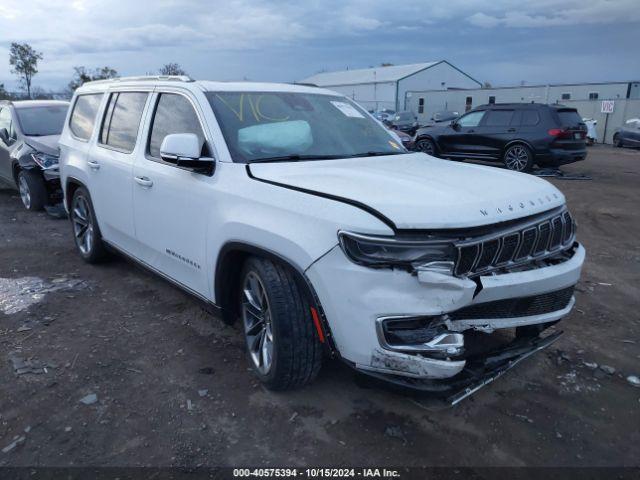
(374, 154)
(295, 158)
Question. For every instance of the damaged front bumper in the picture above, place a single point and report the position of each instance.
(476, 372)
(358, 301)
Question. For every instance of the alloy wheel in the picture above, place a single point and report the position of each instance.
(82, 224)
(517, 158)
(25, 193)
(426, 146)
(256, 316)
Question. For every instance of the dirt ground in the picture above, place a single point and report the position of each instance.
(174, 388)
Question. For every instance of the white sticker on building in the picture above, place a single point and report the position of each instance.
(347, 109)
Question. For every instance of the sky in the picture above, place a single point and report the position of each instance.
(498, 41)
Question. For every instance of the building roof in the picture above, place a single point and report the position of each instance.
(366, 75)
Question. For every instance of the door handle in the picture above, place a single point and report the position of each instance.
(93, 164)
(511, 130)
(144, 182)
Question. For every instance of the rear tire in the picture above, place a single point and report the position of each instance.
(617, 141)
(86, 232)
(33, 191)
(282, 341)
(518, 158)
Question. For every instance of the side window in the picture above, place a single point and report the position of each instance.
(530, 118)
(174, 114)
(84, 114)
(498, 118)
(5, 122)
(122, 120)
(471, 119)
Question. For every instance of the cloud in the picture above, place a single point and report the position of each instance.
(483, 20)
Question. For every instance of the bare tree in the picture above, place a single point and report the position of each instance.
(487, 85)
(82, 75)
(24, 61)
(172, 69)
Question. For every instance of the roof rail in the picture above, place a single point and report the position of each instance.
(167, 78)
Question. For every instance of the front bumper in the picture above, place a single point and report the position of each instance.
(354, 298)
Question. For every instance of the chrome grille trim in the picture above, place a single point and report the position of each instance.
(560, 237)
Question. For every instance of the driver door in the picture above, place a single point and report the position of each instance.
(171, 204)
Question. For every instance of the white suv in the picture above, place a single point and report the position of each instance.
(291, 209)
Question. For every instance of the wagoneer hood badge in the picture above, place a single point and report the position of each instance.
(416, 191)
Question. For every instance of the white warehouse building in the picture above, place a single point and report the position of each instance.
(387, 87)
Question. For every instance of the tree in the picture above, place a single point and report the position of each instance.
(172, 69)
(486, 85)
(24, 61)
(4, 95)
(83, 75)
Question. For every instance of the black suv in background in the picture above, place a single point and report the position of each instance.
(29, 132)
(518, 134)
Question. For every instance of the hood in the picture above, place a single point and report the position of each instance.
(46, 144)
(416, 191)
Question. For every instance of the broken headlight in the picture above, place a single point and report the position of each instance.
(390, 251)
(45, 160)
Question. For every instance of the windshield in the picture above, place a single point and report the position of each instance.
(281, 126)
(41, 121)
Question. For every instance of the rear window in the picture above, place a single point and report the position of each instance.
(84, 115)
(569, 117)
(122, 120)
(498, 118)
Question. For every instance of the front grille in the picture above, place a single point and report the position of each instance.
(516, 307)
(515, 246)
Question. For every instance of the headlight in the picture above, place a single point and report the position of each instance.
(45, 160)
(387, 251)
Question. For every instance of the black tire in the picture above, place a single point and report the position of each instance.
(426, 145)
(296, 352)
(33, 191)
(617, 141)
(88, 240)
(518, 157)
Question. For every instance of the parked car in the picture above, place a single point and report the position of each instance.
(519, 135)
(289, 209)
(405, 122)
(628, 135)
(592, 133)
(404, 138)
(385, 115)
(29, 132)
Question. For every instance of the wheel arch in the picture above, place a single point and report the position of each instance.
(519, 141)
(71, 185)
(227, 275)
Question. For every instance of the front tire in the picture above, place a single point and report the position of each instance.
(280, 333)
(426, 145)
(86, 232)
(33, 191)
(518, 158)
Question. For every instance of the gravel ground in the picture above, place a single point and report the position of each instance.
(111, 366)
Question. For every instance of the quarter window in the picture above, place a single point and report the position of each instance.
(498, 118)
(84, 114)
(174, 114)
(471, 119)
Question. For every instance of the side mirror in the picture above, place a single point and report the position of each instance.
(183, 150)
(454, 125)
(4, 135)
